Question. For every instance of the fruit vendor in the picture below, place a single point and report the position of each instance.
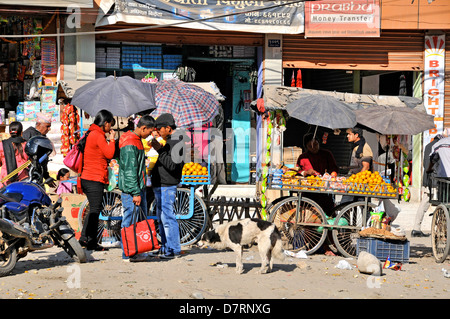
(316, 161)
(362, 155)
(361, 159)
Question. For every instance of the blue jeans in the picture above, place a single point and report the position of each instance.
(128, 210)
(168, 225)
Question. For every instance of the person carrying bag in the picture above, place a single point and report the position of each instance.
(132, 174)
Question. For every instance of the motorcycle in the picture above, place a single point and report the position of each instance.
(29, 221)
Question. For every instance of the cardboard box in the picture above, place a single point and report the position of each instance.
(71, 204)
(48, 94)
(291, 154)
(30, 108)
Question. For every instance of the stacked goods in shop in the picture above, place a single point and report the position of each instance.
(277, 178)
(69, 128)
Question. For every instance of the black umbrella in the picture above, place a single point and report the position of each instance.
(322, 110)
(395, 120)
(122, 96)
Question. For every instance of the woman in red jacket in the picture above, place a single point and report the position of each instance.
(94, 174)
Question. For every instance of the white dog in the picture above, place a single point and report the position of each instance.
(236, 234)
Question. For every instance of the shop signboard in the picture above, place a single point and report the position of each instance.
(434, 83)
(342, 18)
(247, 16)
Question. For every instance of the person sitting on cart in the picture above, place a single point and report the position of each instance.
(317, 161)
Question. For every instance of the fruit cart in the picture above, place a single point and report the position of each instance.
(440, 223)
(304, 224)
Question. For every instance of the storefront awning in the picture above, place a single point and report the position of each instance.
(285, 17)
(51, 3)
(277, 97)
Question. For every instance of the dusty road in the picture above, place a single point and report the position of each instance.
(209, 274)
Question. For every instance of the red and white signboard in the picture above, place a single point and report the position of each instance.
(342, 18)
(434, 77)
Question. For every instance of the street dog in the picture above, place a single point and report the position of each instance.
(237, 234)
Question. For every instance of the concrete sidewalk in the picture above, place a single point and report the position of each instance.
(405, 218)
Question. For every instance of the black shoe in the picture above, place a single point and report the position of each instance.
(97, 248)
(156, 253)
(169, 256)
(418, 233)
(83, 243)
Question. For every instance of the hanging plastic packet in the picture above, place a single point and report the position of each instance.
(324, 138)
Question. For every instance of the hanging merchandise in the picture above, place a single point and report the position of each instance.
(265, 169)
(48, 56)
(186, 74)
(406, 180)
(293, 79)
(299, 82)
(69, 128)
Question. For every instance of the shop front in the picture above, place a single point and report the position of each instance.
(201, 42)
(194, 58)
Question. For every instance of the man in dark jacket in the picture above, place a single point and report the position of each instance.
(166, 175)
(132, 173)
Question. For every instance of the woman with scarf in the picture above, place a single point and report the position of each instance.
(12, 154)
(94, 174)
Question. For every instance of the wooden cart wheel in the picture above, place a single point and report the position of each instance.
(110, 219)
(191, 227)
(348, 222)
(440, 229)
(300, 235)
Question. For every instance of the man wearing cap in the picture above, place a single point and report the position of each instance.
(166, 175)
(43, 126)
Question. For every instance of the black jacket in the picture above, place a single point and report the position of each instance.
(169, 166)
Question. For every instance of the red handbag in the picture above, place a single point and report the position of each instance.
(139, 237)
(73, 159)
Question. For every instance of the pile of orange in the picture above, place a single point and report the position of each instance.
(367, 182)
(192, 168)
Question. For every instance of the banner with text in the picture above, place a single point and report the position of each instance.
(247, 16)
(341, 18)
(434, 83)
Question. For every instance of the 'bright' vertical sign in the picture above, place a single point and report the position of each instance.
(434, 83)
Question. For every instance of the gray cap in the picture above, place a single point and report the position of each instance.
(165, 119)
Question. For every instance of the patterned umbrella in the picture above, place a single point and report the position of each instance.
(189, 104)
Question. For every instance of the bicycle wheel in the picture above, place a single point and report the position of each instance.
(297, 232)
(348, 222)
(110, 219)
(191, 227)
(440, 229)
